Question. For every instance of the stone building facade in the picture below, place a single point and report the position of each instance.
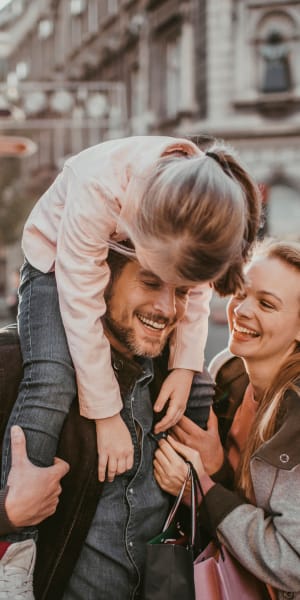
(202, 68)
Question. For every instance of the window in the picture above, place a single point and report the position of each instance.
(275, 52)
(112, 7)
(77, 7)
(76, 32)
(276, 67)
(267, 46)
(134, 92)
(168, 55)
(283, 211)
(108, 8)
(92, 16)
(173, 77)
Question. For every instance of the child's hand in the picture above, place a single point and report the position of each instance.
(176, 388)
(115, 449)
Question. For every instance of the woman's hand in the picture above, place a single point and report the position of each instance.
(206, 442)
(170, 469)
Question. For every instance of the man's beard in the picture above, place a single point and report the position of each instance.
(126, 336)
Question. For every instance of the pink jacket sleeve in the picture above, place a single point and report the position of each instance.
(82, 275)
(188, 341)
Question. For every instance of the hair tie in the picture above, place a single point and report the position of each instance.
(223, 163)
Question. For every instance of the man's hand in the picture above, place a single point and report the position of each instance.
(115, 449)
(206, 442)
(33, 491)
(176, 388)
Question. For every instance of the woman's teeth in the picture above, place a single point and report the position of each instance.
(240, 329)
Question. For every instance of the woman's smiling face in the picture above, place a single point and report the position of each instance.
(264, 317)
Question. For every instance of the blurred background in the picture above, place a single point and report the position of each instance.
(77, 72)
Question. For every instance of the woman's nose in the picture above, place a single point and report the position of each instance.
(244, 308)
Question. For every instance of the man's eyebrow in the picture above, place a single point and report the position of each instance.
(146, 273)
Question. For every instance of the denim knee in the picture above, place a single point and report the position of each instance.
(48, 386)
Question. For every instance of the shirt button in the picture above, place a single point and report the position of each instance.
(118, 364)
(284, 458)
(130, 544)
(130, 490)
(132, 398)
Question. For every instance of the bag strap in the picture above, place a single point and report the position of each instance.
(199, 488)
(196, 490)
(174, 509)
(190, 476)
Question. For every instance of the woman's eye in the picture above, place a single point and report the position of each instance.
(266, 304)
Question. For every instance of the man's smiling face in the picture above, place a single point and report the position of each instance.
(142, 311)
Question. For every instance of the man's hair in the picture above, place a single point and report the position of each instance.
(116, 262)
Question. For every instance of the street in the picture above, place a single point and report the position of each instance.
(217, 339)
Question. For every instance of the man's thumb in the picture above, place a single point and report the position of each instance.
(61, 466)
(18, 445)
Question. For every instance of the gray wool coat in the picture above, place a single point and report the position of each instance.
(266, 538)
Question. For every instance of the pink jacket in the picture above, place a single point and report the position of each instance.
(68, 231)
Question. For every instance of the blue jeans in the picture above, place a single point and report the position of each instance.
(48, 386)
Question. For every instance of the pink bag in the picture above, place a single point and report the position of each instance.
(219, 576)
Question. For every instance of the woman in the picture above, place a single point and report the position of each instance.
(258, 520)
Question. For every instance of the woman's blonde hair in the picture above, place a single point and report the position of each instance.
(267, 418)
(200, 215)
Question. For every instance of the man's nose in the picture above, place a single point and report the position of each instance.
(165, 301)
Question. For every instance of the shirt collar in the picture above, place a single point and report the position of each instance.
(129, 371)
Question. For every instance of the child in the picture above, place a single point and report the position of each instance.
(190, 217)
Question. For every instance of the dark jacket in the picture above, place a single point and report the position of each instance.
(10, 375)
(62, 535)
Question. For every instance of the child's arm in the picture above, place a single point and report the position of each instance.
(82, 274)
(115, 448)
(187, 342)
(186, 356)
(176, 388)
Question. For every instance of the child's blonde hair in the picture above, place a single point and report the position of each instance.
(200, 216)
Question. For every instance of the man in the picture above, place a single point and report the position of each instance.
(32, 493)
(94, 546)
